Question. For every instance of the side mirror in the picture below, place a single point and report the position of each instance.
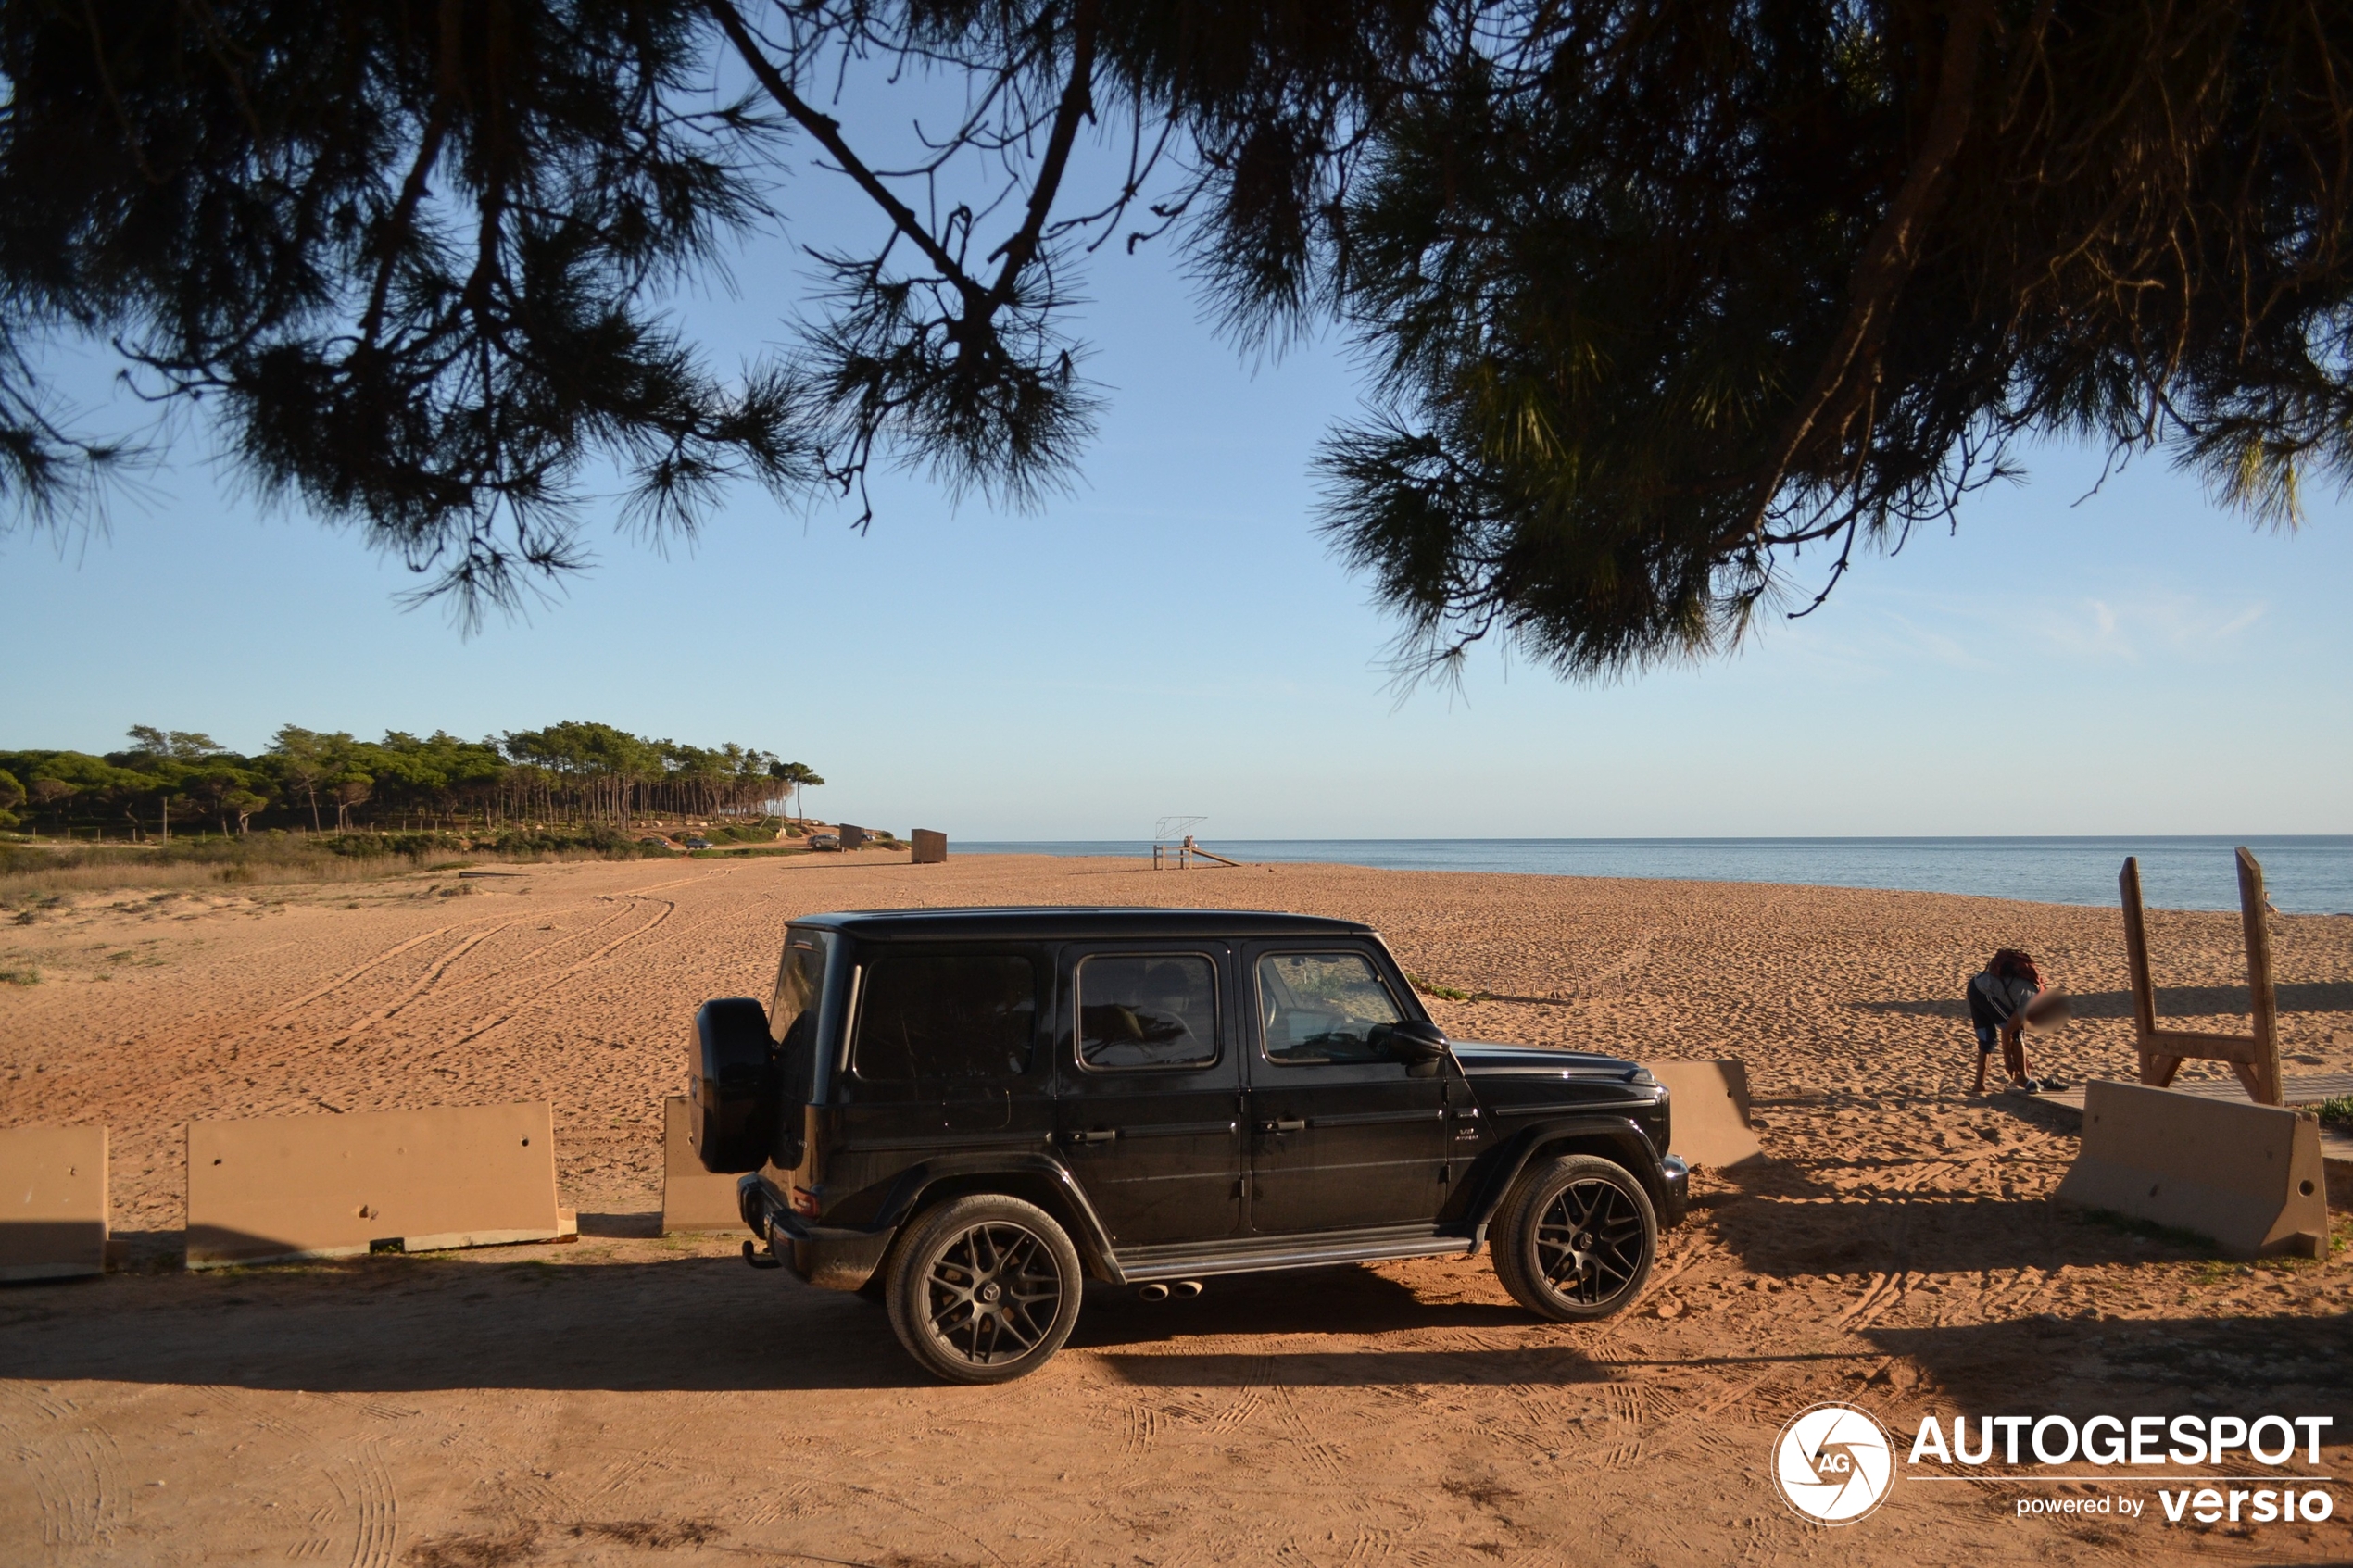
(1420, 1046)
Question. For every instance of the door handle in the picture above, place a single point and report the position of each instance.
(1090, 1136)
(1283, 1126)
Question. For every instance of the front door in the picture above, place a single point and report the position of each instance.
(1149, 1110)
(1341, 1137)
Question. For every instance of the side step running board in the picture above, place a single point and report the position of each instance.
(1286, 1252)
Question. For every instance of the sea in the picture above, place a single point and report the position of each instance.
(2307, 874)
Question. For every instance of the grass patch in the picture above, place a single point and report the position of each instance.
(1431, 988)
(2211, 1269)
(20, 977)
(2149, 1230)
(2336, 1110)
(2289, 1265)
(760, 852)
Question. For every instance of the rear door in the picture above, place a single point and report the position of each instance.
(1341, 1137)
(1148, 1109)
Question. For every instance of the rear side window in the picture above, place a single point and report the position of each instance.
(1147, 1010)
(928, 1016)
(795, 1008)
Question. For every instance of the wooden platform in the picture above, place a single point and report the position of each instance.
(2297, 1088)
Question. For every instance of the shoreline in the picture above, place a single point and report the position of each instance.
(2307, 874)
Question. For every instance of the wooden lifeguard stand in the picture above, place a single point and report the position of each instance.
(1185, 850)
(2255, 1058)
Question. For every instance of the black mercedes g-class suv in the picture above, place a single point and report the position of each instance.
(970, 1113)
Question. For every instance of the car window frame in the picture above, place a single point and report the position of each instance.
(1078, 1004)
(1257, 1022)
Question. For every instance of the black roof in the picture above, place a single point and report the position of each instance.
(1076, 921)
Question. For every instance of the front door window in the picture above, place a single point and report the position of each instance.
(1324, 1008)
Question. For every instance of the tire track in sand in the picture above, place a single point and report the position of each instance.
(432, 977)
(668, 908)
(75, 1473)
(441, 993)
(307, 1460)
(348, 976)
(379, 1506)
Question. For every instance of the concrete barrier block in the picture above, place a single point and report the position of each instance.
(333, 1186)
(930, 849)
(1710, 1111)
(852, 836)
(52, 1202)
(692, 1197)
(2248, 1176)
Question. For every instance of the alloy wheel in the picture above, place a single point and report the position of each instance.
(992, 1293)
(1590, 1241)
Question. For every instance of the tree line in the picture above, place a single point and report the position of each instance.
(572, 774)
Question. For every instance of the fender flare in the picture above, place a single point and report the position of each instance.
(908, 1190)
(1638, 1156)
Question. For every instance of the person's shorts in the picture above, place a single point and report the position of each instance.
(1989, 1039)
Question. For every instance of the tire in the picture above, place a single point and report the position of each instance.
(1575, 1238)
(983, 1289)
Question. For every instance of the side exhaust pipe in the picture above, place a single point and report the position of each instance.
(1167, 1290)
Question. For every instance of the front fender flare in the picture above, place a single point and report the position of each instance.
(1624, 1133)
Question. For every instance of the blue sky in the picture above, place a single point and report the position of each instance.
(1174, 637)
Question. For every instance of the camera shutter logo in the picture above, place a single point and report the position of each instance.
(1833, 1464)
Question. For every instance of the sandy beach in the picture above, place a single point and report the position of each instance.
(631, 1398)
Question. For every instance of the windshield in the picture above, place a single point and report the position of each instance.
(794, 1011)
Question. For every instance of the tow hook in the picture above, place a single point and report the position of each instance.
(760, 1260)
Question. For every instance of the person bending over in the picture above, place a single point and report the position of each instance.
(1998, 998)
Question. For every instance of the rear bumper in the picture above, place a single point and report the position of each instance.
(828, 1257)
(1678, 1187)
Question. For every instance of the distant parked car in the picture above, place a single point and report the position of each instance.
(696, 841)
(824, 841)
(656, 841)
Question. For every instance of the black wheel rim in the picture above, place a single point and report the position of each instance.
(992, 1293)
(1589, 1242)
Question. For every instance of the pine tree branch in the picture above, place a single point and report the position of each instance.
(1892, 250)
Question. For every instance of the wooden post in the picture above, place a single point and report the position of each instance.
(2261, 1077)
(2254, 1059)
(2156, 1069)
